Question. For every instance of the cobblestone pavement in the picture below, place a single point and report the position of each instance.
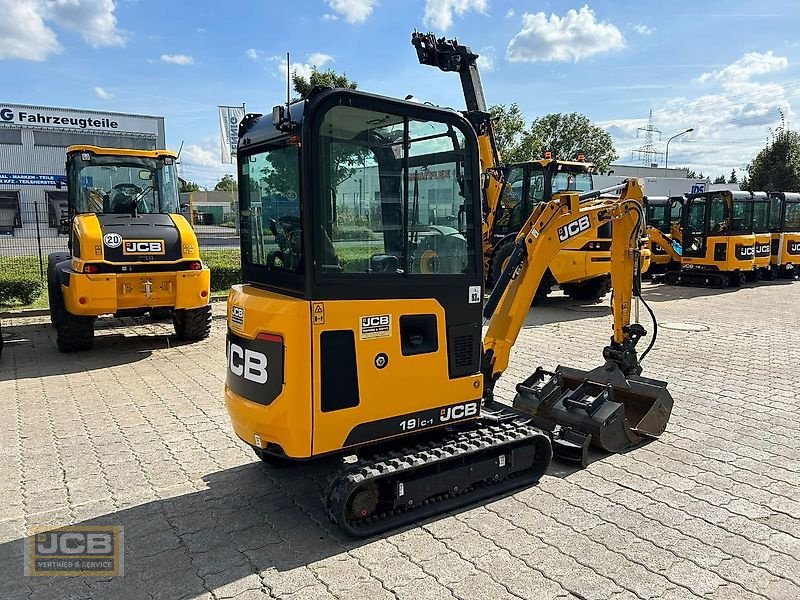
(135, 433)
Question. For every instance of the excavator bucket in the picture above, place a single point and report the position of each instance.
(601, 407)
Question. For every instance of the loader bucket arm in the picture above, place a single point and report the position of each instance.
(611, 406)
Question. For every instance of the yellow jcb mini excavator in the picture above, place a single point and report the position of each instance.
(758, 214)
(717, 240)
(784, 223)
(510, 192)
(663, 232)
(130, 252)
(362, 348)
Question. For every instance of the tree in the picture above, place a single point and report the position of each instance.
(226, 184)
(719, 179)
(777, 166)
(509, 128)
(733, 178)
(328, 78)
(188, 186)
(567, 135)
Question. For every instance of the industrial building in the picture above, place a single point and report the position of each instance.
(33, 141)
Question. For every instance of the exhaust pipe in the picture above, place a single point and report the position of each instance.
(601, 407)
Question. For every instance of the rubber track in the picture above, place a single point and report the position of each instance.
(479, 439)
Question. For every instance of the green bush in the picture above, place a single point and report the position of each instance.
(225, 266)
(19, 288)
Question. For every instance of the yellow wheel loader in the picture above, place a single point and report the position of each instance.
(373, 348)
(717, 240)
(510, 192)
(130, 252)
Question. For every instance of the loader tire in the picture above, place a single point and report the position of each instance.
(192, 324)
(160, 314)
(73, 333)
(53, 285)
(591, 290)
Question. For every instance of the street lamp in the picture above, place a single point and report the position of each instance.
(666, 156)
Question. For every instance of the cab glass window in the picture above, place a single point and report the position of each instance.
(393, 196)
(718, 221)
(269, 204)
(741, 215)
(536, 186)
(792, 222)
(760, 213)
(510, 211)
(564, 181)
(775, 206)
(657, 216)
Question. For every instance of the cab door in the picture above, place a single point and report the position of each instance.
(694, 227)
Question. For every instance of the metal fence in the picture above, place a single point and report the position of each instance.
(29, 232)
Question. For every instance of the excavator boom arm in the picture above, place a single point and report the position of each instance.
(548, 229)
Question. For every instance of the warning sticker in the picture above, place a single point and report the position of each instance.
(376, 326)
(318, 313)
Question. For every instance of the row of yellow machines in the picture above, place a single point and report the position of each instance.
(722, 238)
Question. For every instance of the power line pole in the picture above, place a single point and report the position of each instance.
(648, 155)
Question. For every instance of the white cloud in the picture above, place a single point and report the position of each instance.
(730, 126)
(177, 59)
(486, 58)
(329, 17)
(752, 63)
(93, 19)
(253, 54)
(200, 162)
(200, 30)
(439, 13)
(194, 155)
(303, 69)
(574, 36)
(642, 29)
(23, 33)
(103, 94)
(510, 13)
(352, 11)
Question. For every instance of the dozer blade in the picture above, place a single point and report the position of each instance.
(600, 407)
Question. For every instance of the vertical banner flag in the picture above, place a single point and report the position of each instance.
(229, 118)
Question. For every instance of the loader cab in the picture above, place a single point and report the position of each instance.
(120, 181)
(529, 183)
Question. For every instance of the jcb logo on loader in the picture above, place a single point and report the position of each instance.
(459, 411)
(141, 247)
(572, 229)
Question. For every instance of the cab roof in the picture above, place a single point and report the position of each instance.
(790, 196)
(256, 129)
(121, 151)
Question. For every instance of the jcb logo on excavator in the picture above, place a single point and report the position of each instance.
(793, 248)
(744, 252)
(762, 250)
(250, 364)
(139, 247)
(459, 411)
(572, 229)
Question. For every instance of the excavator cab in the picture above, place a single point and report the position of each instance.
(663, 215)
(784, 227)
(718, 243)
(758, 212)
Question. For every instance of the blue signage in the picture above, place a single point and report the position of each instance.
(31, 179)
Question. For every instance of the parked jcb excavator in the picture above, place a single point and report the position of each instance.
(580, 269)
(784, 224)
(374, 348)
(664, 232)
(130, 252)
(717, 240)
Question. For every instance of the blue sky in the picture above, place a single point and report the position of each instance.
(725, 68)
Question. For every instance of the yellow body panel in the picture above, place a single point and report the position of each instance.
(406, 384)
(107, 293)
(731, 262)
(295, 420)
(787, 245)
(763, 243)
(287, 420)
(572, 266)
(121, 151)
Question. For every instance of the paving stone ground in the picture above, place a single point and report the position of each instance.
(135, 433)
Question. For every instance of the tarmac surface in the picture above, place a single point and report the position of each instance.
(135, 433)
